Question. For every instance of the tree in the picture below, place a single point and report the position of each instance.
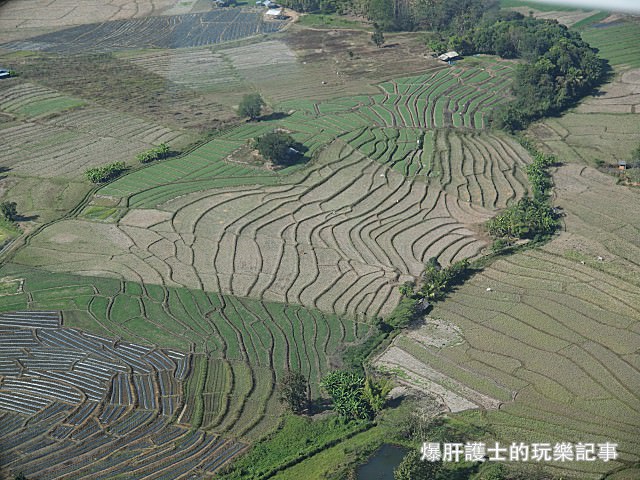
(9, 210)
(294, 391)
(277, 147)
(413, 468)
(377, 36)
(251, 106)
(20, 476)
(375, 392)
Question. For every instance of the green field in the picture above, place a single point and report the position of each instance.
(617, 42)
(241, 347)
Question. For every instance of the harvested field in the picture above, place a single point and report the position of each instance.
(479, 168)
(57, 136)
(620, 96)
(239, 348)
(556, 337)
(106, 404)
(568, 17)
(588, 137)
(201, 69)
(175, 31)
(29, 14)
(120, 86)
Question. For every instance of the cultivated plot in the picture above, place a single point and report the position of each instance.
(239, 348)
(53, 135)
(340, 236)
(107, 404)
(175, 31)
(552, 333)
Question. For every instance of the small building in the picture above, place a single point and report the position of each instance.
(277, 13)
(449, 56)
(622, 165)
(267, 3)
(4, 73)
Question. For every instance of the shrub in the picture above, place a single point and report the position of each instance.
(157, 153)
(105, 173)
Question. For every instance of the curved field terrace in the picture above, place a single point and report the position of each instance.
(340, 236)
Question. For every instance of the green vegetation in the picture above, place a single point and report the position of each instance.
(297, 439)
(278, 147)
(413, 468)
(294, 392)
(242, 347)
(251, 106)
(527, 219)
(618, 42)
(561, 68)
(105, 173)
(156, 153)
(377, 36)
(9, 211)
(354, 396)
(326, 20)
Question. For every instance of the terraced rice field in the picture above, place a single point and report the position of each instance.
(54, 135)
(238, 350)
(77, 405)
(345, 233)
(620, 96)
(485, 169)
(617, 42)
(176, 31)
(580, 137)
(555, 339)
(317, 123)
(29, 14)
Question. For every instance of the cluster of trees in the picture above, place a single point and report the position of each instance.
(294, 392)
(279, 148)
(527, 219)
(156, 153)
(530, 218)
(9, 211)
(105, 173)
(539, 176)
(560, 67)
(354, 396)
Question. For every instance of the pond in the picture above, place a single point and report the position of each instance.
(380, 466)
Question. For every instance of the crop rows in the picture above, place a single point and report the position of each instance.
(241, 348)
(174, 31)
(26, 99)
(466, 94)
(553, 333)
(340, 237)
(483, 169)
(104, 414)
(616, 42)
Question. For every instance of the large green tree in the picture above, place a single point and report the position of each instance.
(251, 106)
(277, 147)
(294, 391)
(9, 210)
